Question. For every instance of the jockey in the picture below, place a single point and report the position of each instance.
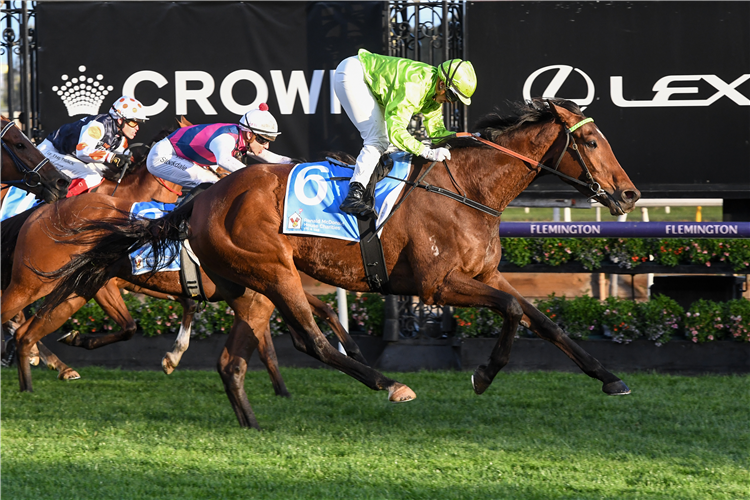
(381, 93)
(95, 146)
(187, 156)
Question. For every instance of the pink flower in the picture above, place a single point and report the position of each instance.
(710, 337)
(695, 339)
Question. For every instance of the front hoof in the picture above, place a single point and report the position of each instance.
(69, 338)
(617, 388)
(68, 374)
(480, 381)
(166, 365)
(399, 393)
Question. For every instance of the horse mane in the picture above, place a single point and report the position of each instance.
(493, 125)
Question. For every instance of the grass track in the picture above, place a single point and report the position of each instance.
(137, 435)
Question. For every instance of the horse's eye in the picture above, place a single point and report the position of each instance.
(591, 144)
(20, 145)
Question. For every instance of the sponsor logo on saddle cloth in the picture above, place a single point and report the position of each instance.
(314, 192)
(17, 201)
(142, 260)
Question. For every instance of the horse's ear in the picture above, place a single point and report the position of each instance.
(183, 122)
(567, 118)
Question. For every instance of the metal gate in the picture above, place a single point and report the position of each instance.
(430, 32)
(19, 58)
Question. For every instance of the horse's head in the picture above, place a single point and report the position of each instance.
(588, 157)
(25, 166)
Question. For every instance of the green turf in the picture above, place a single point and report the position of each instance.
(143, 435)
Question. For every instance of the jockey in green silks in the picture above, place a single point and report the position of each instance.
(381, 93)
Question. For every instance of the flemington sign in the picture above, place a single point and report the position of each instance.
(706, 230)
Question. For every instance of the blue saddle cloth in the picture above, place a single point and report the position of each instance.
(17, 201)
(142, 260)
(313, 196)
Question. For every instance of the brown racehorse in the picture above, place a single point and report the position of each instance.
(24, 166)
(33, 246)
(445, 252)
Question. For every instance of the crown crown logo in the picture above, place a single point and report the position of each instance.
(82, 95)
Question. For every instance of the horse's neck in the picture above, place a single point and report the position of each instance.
(496, 178)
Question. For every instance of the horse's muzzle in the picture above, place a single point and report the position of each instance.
(621, 201)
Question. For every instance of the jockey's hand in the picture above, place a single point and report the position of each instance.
(120, 161)
(437, 154)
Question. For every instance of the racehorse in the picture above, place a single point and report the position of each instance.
(33, 245)
(23, 165)
(445, 252)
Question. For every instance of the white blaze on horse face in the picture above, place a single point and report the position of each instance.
(601, 133)
(433, 247)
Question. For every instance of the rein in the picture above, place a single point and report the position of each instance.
(161, 181)
(593, 186)
(31, 177)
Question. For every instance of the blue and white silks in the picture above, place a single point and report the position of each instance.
(312, 199)
(17, 201)
(142, 260)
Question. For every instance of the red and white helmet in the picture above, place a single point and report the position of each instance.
(128, 108)
(260, 121)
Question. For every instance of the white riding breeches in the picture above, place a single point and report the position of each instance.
(72, 166)
(164, 162)
(365, 113)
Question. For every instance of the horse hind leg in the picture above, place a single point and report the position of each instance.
(172, 359)
(111, 302)
(326, 313)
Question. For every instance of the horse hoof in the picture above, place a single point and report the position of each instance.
(399, 393)
(69, 338)
(617, 388)
(68, 374)
(480, 381)
(166, 365)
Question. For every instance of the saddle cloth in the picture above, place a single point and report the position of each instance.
(314, 192)
(142, 260)
(17, 201)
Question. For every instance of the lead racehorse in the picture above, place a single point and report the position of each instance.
(446, 251)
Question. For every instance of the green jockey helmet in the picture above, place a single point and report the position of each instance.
(460, 80)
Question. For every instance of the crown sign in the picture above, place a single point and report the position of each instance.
(82, 95)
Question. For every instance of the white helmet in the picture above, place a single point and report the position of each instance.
(128, 108)
(260, 121)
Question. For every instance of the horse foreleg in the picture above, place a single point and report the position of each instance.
(326, 313)
(110, 300)
(36, 328)
(64, 372)
(462, 291)
(172, 359)
(548, 330)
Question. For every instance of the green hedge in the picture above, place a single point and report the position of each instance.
(659, 319)
(628, 253)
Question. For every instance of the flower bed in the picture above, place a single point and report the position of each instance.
(658, 320)
(627, 253)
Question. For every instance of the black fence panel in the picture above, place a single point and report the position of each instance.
(667, 82)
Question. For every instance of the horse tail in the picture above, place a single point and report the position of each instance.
(9, 230)
(109, 240)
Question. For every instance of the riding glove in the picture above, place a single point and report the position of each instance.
(120, 161)
(437, 154)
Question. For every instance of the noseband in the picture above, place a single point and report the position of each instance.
(31, 177)
(571, 145)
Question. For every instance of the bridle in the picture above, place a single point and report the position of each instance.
(31, 177)
(570, 145)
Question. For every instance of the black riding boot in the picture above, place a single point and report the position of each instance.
(356, 201)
